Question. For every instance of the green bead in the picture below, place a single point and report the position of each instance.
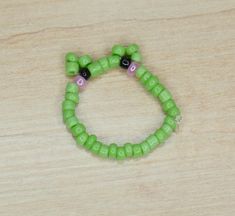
(82, 138)
(71, 57)
(167, 105)
(114, 61)
(113, 150)
(104, 63)
(140, 71)
(132, 48)
(90, 141)
(157, 90)
(121, 153)
(167, 129)
(96, 147)
(72, 68)
(72, 97)
(145, 147)
(171, 122)
(152, 141)
(136, 57)
(161, 136)
(151, 83)
(173, 112)
(145, 77)
(128, 149)
(78, 129)
(137, 150)
(95, 69)
(84, 61)
(164, 96)
(72, 88)
(104, 151)
(67, 114)
(71, 122)
(68, 105)
(118, 50)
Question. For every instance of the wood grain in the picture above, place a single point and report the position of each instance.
(189, 44)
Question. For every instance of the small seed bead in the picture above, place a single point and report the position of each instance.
(121, 153)
(118, 50)
(84, 61)
(90, 141)
(95, 69)
(104, 151)
(128, 150)
(113, 150)
(82, 138)
(72, 68)
(132, 48)
(96, 147)
(71, 57)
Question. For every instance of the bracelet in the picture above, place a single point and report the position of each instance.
(129, 58)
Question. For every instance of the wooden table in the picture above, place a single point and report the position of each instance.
(189, 44)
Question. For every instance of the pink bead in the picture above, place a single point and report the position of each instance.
(81, 82)
(132, 69)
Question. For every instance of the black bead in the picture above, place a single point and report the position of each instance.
(85, 73)
(125, 62)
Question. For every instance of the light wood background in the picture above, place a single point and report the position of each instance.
(189, 44)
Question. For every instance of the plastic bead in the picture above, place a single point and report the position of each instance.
(167, 105)
(145, 148)
(113, 151)
(161, 136)
(81, 82)
(90, 141)
(96, 147)
(72, 68)
(104, 63)
(145, 77)
(140, 71)
(95, 69)
(157, 90)
(151, 83)
(136, 57)
(171, 122)
(82, 138)
(104, 151)
(121, 153)
(167, 129)
(71, 57)
(137, 150)
(173, 112)
(132, 69)
(72, 88)
(118, 50)
(128, 149)
(164, 96)
(85, 73)
(114, 61)
(71, 122)
(78, 129)
(152, 141)
(84, 61)
(125, 62)
(132, 48)
(67, 114)
(68, 105)
(72, 97)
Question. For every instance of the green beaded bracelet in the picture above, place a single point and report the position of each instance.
(129, 58)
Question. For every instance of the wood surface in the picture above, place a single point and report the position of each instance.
(189, 44)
